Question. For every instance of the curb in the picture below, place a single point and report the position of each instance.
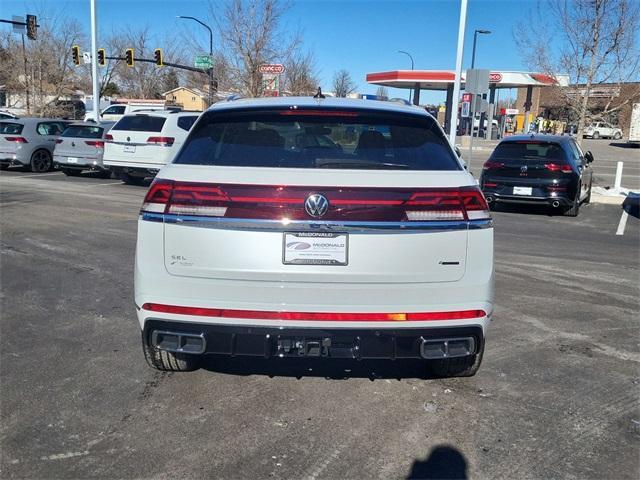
(609, 200)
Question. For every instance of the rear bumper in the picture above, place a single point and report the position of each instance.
(563, 201)
(82, 164)
(358, 343)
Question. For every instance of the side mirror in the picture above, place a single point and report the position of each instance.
(589, 157)
(457, 150)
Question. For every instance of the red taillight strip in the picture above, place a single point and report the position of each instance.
(319, 113)
(313, 316)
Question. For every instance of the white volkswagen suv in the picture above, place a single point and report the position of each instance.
(312, 227)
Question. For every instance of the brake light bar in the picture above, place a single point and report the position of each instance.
(164, 141)
(95, 143)
(319, 113)
(280, 203)
(558, 167)
(16, 139)
(314, 316)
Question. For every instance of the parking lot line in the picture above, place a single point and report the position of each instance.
(103, 184)
(34, 175)
(623, 223)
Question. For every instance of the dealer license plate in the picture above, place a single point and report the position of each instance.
(522, 190)
(315, 248)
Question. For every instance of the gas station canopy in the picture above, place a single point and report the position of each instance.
(442, 79)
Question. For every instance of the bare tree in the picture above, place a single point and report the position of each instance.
(343, 85)
(382, 92)
(593, 41)
(300, 77)
(252, 34)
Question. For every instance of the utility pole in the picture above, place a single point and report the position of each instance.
(456, 86)
(26, 75)
(94, 63)
(210, 53)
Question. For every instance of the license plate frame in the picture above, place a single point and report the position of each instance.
(524, 191)
(333, 251)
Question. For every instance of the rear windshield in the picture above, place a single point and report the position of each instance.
(10, 128)
(528, 151)
(83, 132)
(140, 123)
(316, 138)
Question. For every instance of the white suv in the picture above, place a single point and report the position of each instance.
(141, 143)
(302, 227)
(602, 130)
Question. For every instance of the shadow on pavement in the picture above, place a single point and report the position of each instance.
(444, 462)
(623, 145)
(329, 368)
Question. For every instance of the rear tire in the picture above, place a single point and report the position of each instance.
(587, 200)
(168, 361)
(131, 179)
(41, 161)
(105, 174)
(617, 136)
(574, 209)
(70, 172)
(596, 135)
(457, 367)
(4, 166)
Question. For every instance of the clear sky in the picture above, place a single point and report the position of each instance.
(360, 36)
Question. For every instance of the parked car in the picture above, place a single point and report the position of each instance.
(539, 169)
(80, 147)
(249, 243)
(7, 116)
(29, 142)
(602, 130)
(115, 112)
(140, 144)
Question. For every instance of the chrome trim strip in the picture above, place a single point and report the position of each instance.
(313, 225)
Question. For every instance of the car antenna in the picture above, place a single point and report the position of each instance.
(319, 94)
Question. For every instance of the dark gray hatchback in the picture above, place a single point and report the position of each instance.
(539, 169)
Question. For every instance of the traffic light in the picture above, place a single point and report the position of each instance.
(128, 56)
(157, 56)
(75, 53)
(102, 58)
(32, 27)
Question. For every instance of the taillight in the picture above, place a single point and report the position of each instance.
(108, 137)
(16, 139)
(58, 140)
(163, 141)
(287, 203)
(95, 143)
(490, 184)
(558, 167)
(491, 165)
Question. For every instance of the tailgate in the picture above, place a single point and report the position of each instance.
(258, 230)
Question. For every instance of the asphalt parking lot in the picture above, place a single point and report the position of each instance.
(556, 397)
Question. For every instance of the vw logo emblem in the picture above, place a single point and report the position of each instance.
(316, 205)
(523, 169)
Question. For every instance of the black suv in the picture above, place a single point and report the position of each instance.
(539, 169)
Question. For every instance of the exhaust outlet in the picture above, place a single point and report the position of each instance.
(179, 342)
(489, 199)
(431, 349)
(555, 204)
